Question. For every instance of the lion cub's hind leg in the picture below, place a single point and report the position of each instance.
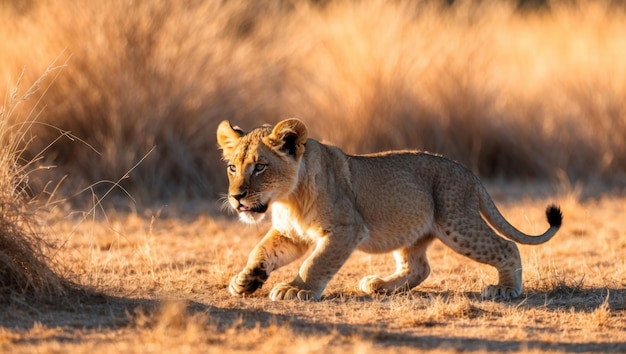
(479, 242)
(412, 269)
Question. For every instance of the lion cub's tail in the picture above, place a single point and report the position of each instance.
(493, 216)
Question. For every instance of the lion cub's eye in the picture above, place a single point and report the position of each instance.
(260, 167)
(232, 168)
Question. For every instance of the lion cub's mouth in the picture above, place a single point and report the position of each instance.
(259, 208)
(252, 214)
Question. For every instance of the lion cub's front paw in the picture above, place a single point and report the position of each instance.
(247, 282)
(285, 291)
(498, 292)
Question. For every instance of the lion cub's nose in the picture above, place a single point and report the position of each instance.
(239, 196)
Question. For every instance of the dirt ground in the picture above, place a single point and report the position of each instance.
(157, 282)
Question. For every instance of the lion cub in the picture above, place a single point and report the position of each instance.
(335, 203)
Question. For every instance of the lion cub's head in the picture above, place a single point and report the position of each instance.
(262, 164)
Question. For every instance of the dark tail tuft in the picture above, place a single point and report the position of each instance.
(555, 217)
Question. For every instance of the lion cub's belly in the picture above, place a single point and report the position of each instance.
(382, 244)
(394, 223)
(386, 238)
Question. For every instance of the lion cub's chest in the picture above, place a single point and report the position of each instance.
(288, 222)
(307, 227)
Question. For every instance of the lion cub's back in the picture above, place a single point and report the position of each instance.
(401, 168)
(397, 192)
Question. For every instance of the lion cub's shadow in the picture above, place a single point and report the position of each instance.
(558, 298)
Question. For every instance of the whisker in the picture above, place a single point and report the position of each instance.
(225, 204)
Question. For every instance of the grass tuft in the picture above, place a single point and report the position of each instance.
(24, 265)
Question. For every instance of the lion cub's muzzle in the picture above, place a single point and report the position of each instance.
(249, 211)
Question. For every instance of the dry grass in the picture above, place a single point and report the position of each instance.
(507, 93)
(165, 280)
(25, 269)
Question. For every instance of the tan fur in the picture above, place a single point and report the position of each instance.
(335, 203)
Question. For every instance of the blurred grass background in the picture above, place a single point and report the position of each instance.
(514, 92)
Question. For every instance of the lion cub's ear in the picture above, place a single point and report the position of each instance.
(228, 137)
(289, 136)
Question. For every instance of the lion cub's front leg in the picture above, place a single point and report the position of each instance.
(331, 252)
(273, 252)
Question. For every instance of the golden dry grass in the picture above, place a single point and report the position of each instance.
(508, 93)
(25, 269)
(164, 283)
